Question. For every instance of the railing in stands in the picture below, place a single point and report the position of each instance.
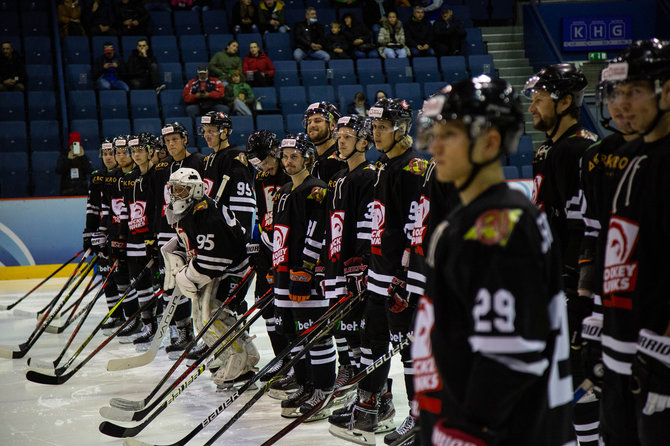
(540, 47)
(60, 77)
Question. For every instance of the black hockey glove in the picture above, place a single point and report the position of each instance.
(319, 278)
(579, 307)
(152, 249)
(300, 286)
(356, 274)
(99, 242)
(87, 240)
(118, 249)
(592, 357)
(651, 372)
(398, 295)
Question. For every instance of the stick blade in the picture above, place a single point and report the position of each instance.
(24, 313)
(6, 352)
(130, 363)
(112, 413)
(116, 431)
(5, 307)
(44, 378)
(55, 328)
(135, 442)
(124, 404)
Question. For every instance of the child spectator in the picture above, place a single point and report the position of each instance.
(337, 43)
(238, 95)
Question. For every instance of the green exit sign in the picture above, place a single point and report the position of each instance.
(597, 55)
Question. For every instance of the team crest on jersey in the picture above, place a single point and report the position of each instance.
(336, 229)
(419, 230)
(620, 273)
(138, 218)
(117, 208)
(378, 221)
(166, 199)
(417, 166)
(537, 184)
(494, 227)
(209, 184)
(242, 157)
(583, 133)
(190, 252)
(317, 194)
(426, 376)
(279, 248)
(200, 206)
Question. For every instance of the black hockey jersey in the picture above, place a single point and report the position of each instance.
(114, 209)
(139, 199)
(347, 231)
(491, 347)
(297, 236)
(94, 210)
(237, 194)
(636, 264)
(395, 198)
(556, 189)
(327, 164)
(266, 187)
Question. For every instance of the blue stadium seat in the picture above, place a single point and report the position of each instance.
(370, 71)
(165, 48)
(313, 72)
(273, 123)
(341, 71)
(411, 92)
(44, 161)
(511, 172)
(191, 71)
(267, 97)
(278, 46)
(76, 50)
(215, 22)
(464, 12)
(525, 145)
(219, 42)
(243, 126)
(453, 68)
(35, 23)
(317, 93)
(90, 134)
(172, 103)
(432, 87)
(474, 48)
(326, 14)
(44, 135)
(371, 90)
(34, 5)
(356, 12)
(481, 64)
(115, 127)
(9, 25)
(295, 4)
(171, 74)
(527, 172)
(37, 50)
(78, 77)
(113, 104)
(13, 106)
(15, 162)
(473, 34)
(40, 77)
(8, 5)
(294, 123)
(293, 16)
(48, 185)
(519, 159)
(317, 4)
(193, 48)
(13, 136)
(81, 104)
(286, 73)
(42, 105)
(13, 174)
(161, 23)
(151, 125)
(345, 94)
(143, 104)
(398, 70)
(98, 45)
(187, 22)
(425, 69)
(244, 39)
(292, 99)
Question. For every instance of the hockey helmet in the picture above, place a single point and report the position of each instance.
(359, 124)
(121, 144)
(185, 187)
(148, 141)
(218, 119)
(558, 80)
(260, 145)
(107, 144)
(175, 127)
(479, 102)
(328, 110)
(133, 141)
(398, 111)
(301, 142)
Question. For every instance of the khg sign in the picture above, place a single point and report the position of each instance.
(597, 33)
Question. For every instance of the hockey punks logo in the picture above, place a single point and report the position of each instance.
(209, 184)
(138, 218)
(336, 228)
(426, 376)
(419, 230)
(279, 248)
(620, 273)
(117, 208)
(378, 222)
(537, 184)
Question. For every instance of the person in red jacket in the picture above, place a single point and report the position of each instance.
(258, 67)
(203, 94)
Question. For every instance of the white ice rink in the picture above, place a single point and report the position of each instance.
(67, 414)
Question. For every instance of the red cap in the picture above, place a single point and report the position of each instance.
(74, 137)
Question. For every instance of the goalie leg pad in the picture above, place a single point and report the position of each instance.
(238, 359)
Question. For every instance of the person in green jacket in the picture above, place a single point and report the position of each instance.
(225, 61)
(238, 95)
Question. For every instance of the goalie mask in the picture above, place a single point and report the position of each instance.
(186, 188)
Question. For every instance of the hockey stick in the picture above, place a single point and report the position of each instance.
(138, 405)
(129, 432)
(117, 414)
(49, 379)
(76, 303)
(46, 320)
(51, 365)
(12, 305)
(338, 393)
(59, 328)
(584, 387)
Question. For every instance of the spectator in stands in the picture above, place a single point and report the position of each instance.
(419, 34)
(271, 17)
(225, 61)
(359, 36)
(203, 94)
(12, 69)
(360, 105)
(142, 67)
(245, 17)
(132, 18)
(258, 67)
(380, 94)
(108, 70)
(188, 5)
(448, 34)
(74, 167)
(391, 38)
(337, 43)
(238, 95)
(100, 18)
(69, 18)
(309, 37)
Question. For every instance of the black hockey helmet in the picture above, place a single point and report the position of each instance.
(148, 141)
(558, 80)
(121, 143)
(360, 124)
(301, 142)
(175, 127)
(398, 111)
(325, 108)
(134, 141)
(106, 144)
(218, 119)
(260, 145)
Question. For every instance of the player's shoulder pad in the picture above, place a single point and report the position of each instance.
(200, 206)
(242, 158)
(583, 133)
(494, 226)
(317, 194)
(417, 166)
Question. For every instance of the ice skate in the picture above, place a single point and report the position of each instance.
(342, 382)
(177, 347)
(368, 418)
(144, 339)
(319, 396)
(271, 373)
(235, 384)
(196, 352)
(290, 407)
(132, 331)
(111, 325)
(281, 388)
(401, 431)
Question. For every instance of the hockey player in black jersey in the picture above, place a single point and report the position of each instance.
(319, 121)
(491, 348)
(175, 137)
(636, 310)
(298, 220)
(388, 314)
(556, 93)
(263, 154)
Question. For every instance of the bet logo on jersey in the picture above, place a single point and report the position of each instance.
(279, 248)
